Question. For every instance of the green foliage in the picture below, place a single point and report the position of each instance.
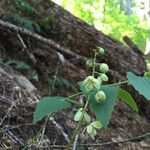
(18, 64)
(109, 17)
(31, 74)
(25, 7)
(100, 98)
(61, 83)
(49, 25)
(49, 105)
(147, 74)
(26, 23)
(141, 84)
(128, 99)
(104, 109)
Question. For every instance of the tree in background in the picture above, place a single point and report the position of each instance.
(147, 15)
(116, 18)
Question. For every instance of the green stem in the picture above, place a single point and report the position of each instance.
(78, 104)
(78, 126)
(94, 63)
(118, 83)
(97, 73)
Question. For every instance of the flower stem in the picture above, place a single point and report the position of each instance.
(94, 61)
(78, 126)
(118, 83)
(74, 102)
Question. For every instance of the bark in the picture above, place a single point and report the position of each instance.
(82, 38)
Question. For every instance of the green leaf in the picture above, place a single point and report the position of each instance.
(22, 65)
(141, 84)
(48, 105)
(128, 99)
(104, 109)
(96, 124)
(147, 74)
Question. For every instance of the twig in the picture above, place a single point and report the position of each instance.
(140, 137)
(61, 129)
(36, 36)
(24, 47)
(22, 42)
(14, 138)
(75, 142)
(9, 110)
(42, 134)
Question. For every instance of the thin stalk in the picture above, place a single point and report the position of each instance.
(97, 73)
(78, 126)
(118, 83)
(74, 102)
(94, 61)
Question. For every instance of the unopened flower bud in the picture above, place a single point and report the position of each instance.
(101, 51)
(100, 96)
(104, 68)
(89, 63)
(104, 77)
(96, 124)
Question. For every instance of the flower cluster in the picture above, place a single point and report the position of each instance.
(92, 85)
(91, 128)
(91, 82)
(79, 113)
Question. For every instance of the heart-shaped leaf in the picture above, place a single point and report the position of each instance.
(104, 109)
(141, 84)
(48, 105)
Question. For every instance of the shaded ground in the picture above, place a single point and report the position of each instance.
(125, 124)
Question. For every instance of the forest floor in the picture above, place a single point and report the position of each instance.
(50, 76)
(130, 128)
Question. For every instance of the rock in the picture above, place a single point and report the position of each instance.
(25, 83)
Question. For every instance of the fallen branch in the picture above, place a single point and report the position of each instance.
(60, 128)
(36, 36)
(104, 144)
(132, 45)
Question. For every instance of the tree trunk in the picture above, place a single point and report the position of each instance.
(82, 38)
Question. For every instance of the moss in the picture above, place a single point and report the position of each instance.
(25, 22)
(25, 8)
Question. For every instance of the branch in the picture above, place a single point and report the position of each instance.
(36, 36)
(104, 144)
(132, 45)
(60, 129)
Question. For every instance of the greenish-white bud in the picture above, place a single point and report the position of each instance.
(96, 124)
(100, 80)
(101, 51)
(104, 77)
(90, 129)
(104, 68)
(89, 63)
(100, 96)
(87, 118)
(77, 116)
(89, 87)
